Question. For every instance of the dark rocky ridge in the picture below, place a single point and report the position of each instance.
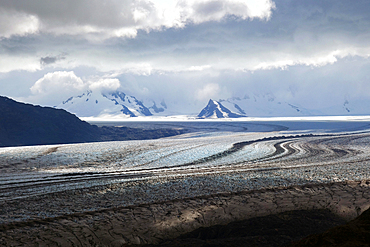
(25, 124)
(127, 133)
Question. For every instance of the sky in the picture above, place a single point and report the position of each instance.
(307, 52)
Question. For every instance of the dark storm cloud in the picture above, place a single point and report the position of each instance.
(83, 12)
(312, 33)
(100, 20)
(51, 59)
(209, 8)
(48, 60)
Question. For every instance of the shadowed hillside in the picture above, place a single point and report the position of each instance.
(25, 124)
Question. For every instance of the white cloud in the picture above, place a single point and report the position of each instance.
(216, 10)
(209, 91)
(199, 68)
(17, 23)
(103, 85)
(56, 81)
(322, 58)
(57, 86)
(104, 19)
(14, 62)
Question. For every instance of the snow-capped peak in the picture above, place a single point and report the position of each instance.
(215, 109)
(130, 105)
(266, 105)
(95, 104)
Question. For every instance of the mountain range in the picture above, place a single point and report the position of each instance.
(95, 104)
(122, 105)
(25, 124)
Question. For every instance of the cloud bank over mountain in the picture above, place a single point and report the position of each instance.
(311, 53)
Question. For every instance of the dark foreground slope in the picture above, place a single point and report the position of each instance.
(281, 229)
(25, 124)
(354, 233)
(272, 230)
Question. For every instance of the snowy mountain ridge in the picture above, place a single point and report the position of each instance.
(267, 105)
(117, 104)
(130, 105)
(92, 104)
(255, 106)
(264, 105)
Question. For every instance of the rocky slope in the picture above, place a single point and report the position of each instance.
(153, 223)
